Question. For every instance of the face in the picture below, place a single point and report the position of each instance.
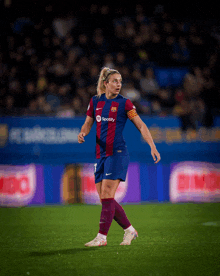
(113, 85)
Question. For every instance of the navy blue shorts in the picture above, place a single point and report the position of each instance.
(111, 167)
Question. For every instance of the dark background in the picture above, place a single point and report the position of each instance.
(178, 9)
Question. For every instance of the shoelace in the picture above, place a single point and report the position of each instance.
(125, 235)
(98, 239)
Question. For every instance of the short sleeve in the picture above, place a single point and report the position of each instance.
(130, 109)
(90, 111)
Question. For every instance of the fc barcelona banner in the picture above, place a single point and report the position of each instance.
(54, 141)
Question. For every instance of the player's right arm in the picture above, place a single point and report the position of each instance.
(88, 123)
(85, 129)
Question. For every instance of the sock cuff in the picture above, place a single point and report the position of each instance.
(107, 199)
(105, 233)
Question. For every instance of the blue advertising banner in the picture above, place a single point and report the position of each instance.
(154, 182)
(54, 141)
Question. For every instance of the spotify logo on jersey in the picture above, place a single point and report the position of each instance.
(98, 118)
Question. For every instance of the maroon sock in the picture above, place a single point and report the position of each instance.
(120, 216)
(107, 215)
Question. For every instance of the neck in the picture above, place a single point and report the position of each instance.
(110, 96)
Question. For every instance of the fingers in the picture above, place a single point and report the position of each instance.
(156, 157)
(81, 137)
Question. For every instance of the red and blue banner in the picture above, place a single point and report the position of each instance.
(32, 184)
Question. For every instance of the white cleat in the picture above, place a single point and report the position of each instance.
(96, 242)
(128, 237)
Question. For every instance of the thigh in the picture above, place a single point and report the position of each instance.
(99, 188)
(108, 188)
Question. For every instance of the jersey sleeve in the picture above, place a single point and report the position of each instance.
(90, 111)
(130, 109)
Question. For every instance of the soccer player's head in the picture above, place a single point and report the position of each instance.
(105, 76)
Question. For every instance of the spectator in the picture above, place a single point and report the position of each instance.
(81, 93)
(193, 83)
(143, 61)
(149, 85)
(198, 111)
(41, 80)
(3, 71)
(64, 94)
(183, 51)
(68, 44)
(43, 106)
(71, 60)
(63, 25)
(38, 62)
(52, 97)
(77, 79)
(99, 45)
(29, 49)
(156, 109)
(30, 92)
(120, 60)
(93, 73)
(32, 109)
(83, 48)
(183, 111)
(168, 49)
(136, 78)
(130, 92)
(77, 106)
(165, 98)
(197, 47)
(179, 95)
(9, 107)
(65, 111)
(156, 46)
(108, 61)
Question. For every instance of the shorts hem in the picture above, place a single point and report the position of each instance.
(121, 179)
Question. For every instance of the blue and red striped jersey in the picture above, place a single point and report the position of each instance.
(111, 116)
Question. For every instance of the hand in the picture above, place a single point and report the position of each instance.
(155, 154)
(81, 136)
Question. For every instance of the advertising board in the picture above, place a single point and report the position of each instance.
(21, 185)
(195, 182)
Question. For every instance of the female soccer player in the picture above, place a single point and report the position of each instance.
(111, 110)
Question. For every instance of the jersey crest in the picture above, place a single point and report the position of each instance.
(113, 109)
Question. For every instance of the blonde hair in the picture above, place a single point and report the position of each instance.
(104, 76)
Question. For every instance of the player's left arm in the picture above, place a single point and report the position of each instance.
(141, 126)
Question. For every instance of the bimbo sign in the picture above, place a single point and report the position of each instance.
(195, 181)
(17, 185)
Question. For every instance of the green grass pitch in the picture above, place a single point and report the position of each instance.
(174, 239)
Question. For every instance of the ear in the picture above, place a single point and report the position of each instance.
(105, 83)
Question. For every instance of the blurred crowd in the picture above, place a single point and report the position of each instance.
(49, 66)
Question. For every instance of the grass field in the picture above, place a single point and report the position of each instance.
(173, 240)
